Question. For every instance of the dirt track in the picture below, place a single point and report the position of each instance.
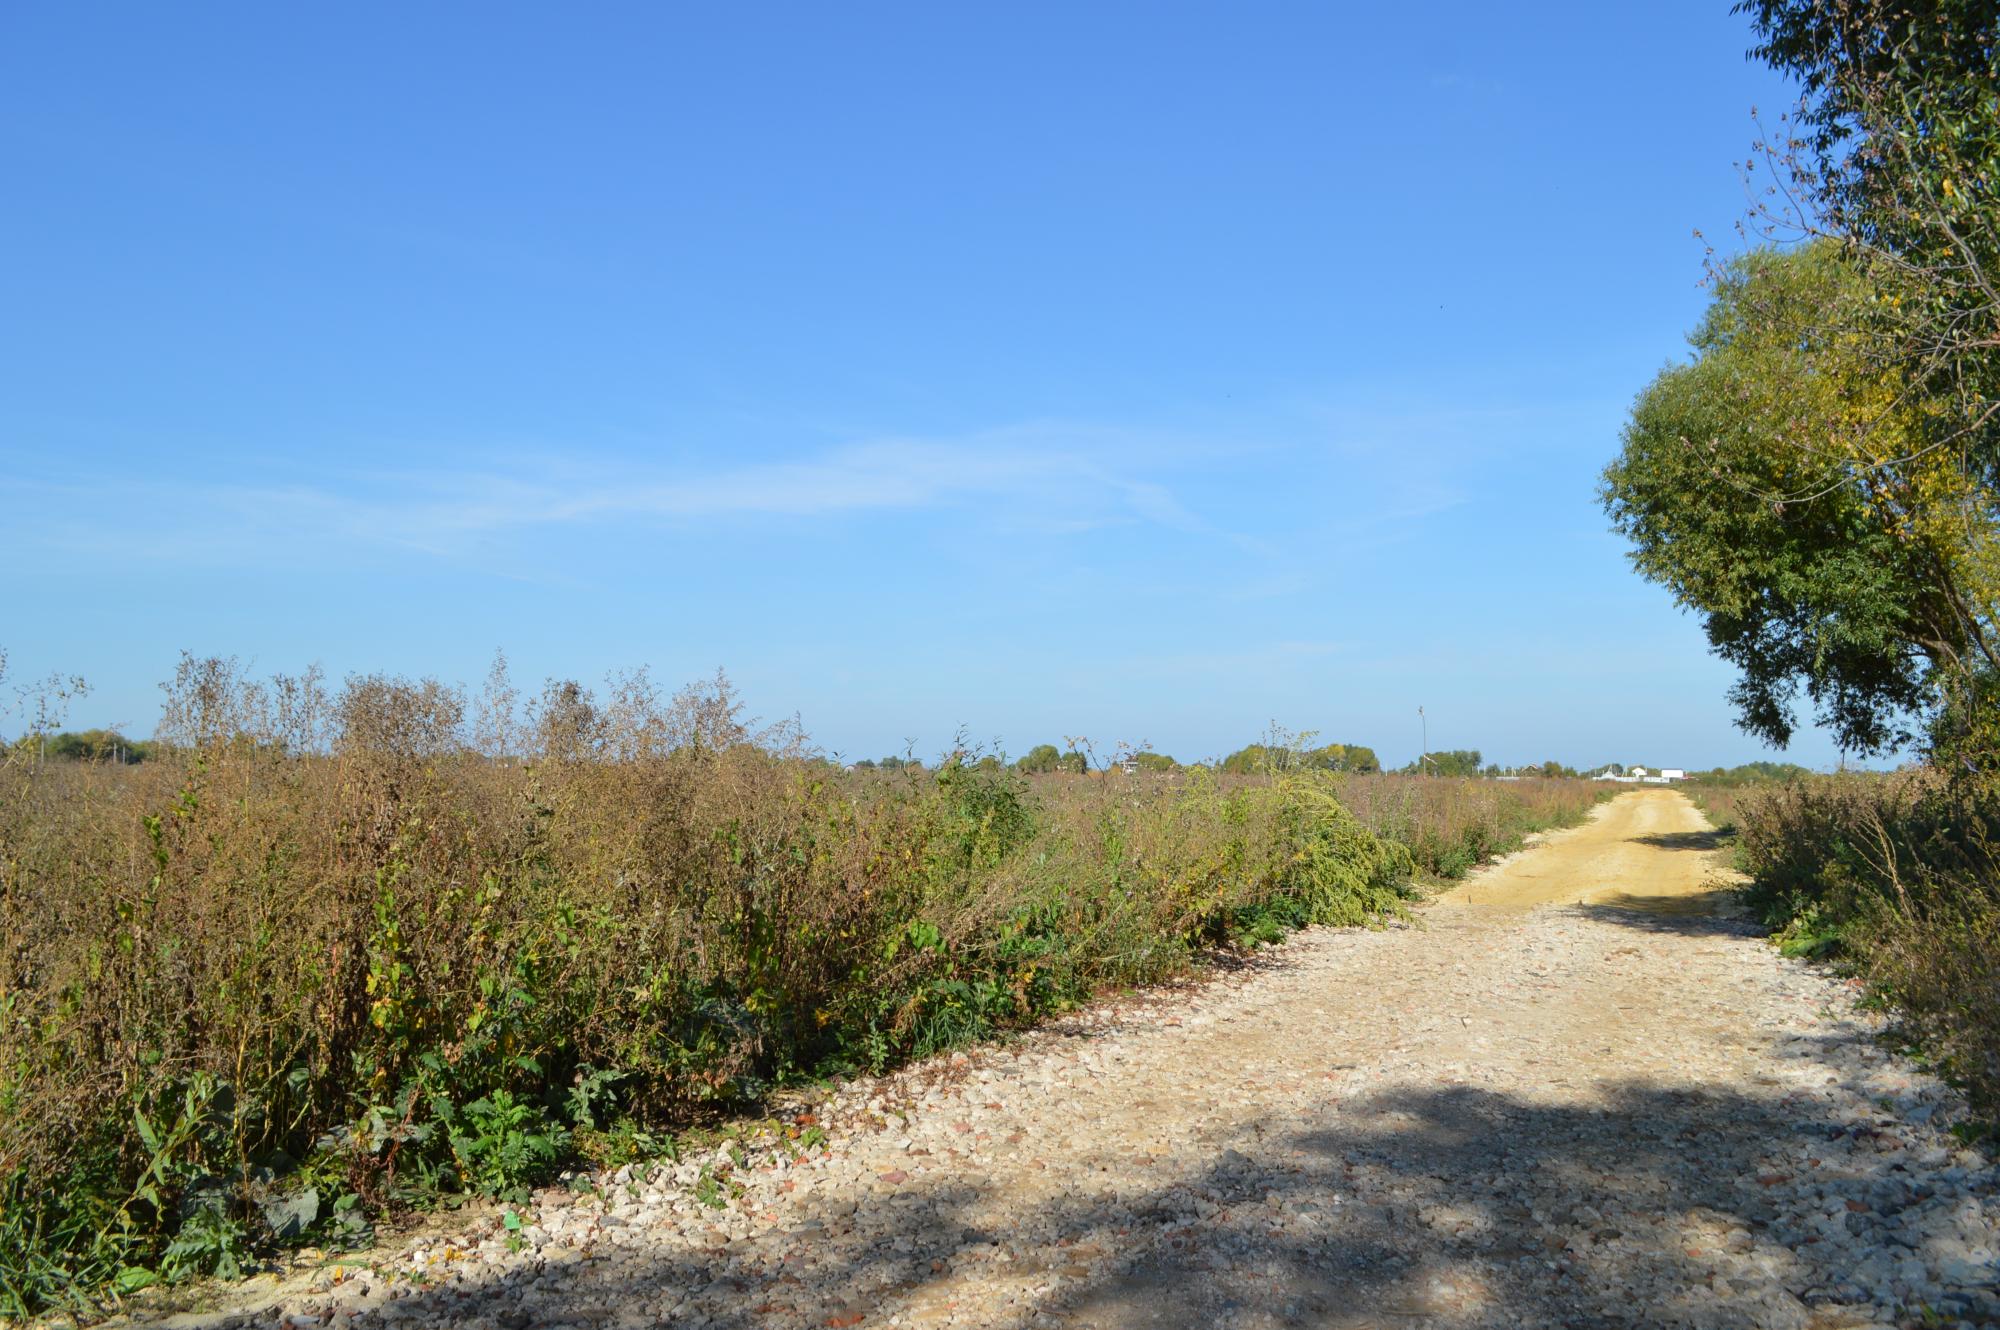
(1633, 854)
(1572, 1095)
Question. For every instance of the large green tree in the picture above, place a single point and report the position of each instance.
(1892, 161)
(1770, 484)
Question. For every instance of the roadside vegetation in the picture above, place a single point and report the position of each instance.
(1451, 825)
(1895, 876)
(334, 952)
(1720, 792)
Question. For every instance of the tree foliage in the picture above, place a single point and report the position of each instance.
(1879, 418)
(1457, 762)
(87, 746)
(98, 746)
(1045, 758)
(1756, 773)
(1895, 152)
(1769, 483)
(1265, 757)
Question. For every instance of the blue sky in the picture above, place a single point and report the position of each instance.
(1138, 371)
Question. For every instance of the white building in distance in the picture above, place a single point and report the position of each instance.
(1641, 776)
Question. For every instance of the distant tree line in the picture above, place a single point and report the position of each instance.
(1550, 770)
(85, 746)
(1044, 759)
(1330, 757)
(1457, 762)
(1752, 772)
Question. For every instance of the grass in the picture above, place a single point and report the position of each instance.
(1721, 798)
(1896, 877)
(334, 953)
(1451, 826)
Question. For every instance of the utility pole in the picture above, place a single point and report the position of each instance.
(1424, 753)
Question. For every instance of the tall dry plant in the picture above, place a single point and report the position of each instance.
(337, 933)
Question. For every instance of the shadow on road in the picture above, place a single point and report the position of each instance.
(1686, 840)
(1715, 913)
(1452, 1207)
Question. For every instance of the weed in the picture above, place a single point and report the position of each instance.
(346, 939)
(209, 1241)
(1899, 877)
(502, 1144)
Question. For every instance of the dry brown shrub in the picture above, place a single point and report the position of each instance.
(1899, 876)
(350, 912)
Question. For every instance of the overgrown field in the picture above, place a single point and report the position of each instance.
(1452, 825)
(1722, 803)
(332, 954)
(1898, 876)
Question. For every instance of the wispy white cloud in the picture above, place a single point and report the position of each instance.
(1058, 478)
(888, 474)
(1270, 489)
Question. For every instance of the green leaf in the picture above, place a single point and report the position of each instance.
(147, 1135)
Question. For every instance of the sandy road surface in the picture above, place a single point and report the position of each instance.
(1539, 1106)
(1625, 857)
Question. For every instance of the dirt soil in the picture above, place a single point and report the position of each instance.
(1576, 1092)
(1624, 857)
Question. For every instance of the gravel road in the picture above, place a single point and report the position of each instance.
(1574, 1093)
